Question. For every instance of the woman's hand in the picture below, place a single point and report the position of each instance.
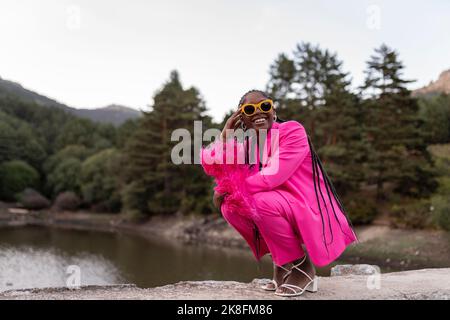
(233, 122)
(218, 199)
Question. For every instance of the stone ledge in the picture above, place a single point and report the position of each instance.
(415, 284)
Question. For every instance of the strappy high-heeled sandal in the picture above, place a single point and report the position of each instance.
(267, 286)
(311, 286)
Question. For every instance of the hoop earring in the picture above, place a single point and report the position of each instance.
(243, 126)
(275, 118)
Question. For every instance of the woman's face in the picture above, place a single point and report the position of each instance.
(249, 121)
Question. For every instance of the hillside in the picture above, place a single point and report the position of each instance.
(114, 114)
(441, 85)
(8, 88)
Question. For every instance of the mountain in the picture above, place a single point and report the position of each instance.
(441, 85)
(8, 88)
(114, 114)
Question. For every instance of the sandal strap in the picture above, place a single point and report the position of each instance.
(309, 277)
(300, 263)
(285, 269)
(292, 287)
(296, 266)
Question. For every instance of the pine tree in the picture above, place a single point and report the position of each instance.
(342, 145)
(282, 73)
(435, 112)
(398, 152)
(155, 184)
(314, 90)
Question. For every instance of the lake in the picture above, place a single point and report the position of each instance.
(36, 257)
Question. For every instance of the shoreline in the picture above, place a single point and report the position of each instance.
(209, 230)
(391, 249)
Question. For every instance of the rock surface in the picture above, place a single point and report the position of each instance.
(416, 284)
(355, 269)
(441, 85)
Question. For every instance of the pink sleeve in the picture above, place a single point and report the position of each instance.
(220, 158)
(292, 150)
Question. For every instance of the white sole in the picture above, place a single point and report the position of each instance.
(312, 286)
(266, 289)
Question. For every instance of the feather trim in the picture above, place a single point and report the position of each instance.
(225, 161)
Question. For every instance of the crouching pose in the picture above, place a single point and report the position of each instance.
(280, 199)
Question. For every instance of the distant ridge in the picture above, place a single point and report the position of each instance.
(114, 114)
(441, 85)
(8, 88)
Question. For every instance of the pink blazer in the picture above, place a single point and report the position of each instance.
(321, 220)
(323, 225)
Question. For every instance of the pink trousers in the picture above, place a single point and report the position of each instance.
(278, 234)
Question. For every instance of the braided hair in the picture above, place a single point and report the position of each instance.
(316, 167)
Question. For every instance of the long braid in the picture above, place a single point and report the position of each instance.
(317, 164)
(323, 199)
(317, 167)
(314, 173)
(329, 185)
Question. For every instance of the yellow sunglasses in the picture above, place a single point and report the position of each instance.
(249, 109)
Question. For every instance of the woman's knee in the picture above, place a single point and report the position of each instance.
(232, 217)
(264, 201)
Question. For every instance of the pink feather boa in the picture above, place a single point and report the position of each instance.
(229, 175)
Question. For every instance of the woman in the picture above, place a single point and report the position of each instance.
(294, 205)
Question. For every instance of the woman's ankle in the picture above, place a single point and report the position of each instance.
(297, 261)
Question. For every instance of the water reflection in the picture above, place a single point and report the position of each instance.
(39, 257)
(28, 267)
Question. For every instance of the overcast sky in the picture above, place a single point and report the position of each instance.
(92, 53)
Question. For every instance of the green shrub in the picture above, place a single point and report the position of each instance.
(133, 197)
(67, 200)
(100, 180)
(15, 176)
(412, 213)
(31, 199)
(71, 151)
(440, 202)
(441, 211)
(444, 185)
(65, 176)
(361, 209)
(441, 157)
(201, 205)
